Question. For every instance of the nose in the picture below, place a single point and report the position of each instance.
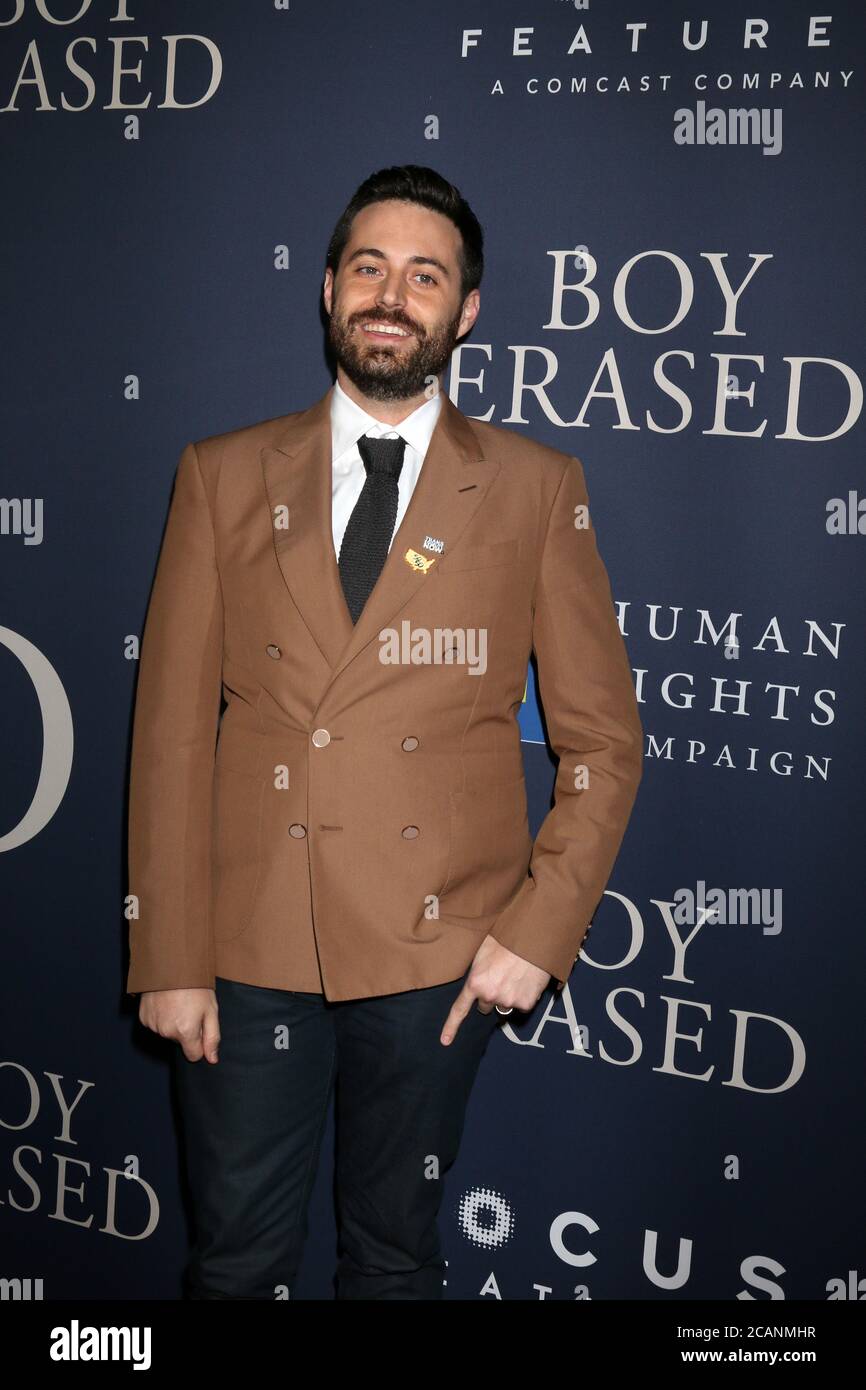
(391, 293)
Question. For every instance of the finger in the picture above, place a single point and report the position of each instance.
(192, 1048)
(484, 1008)
(192, 1042)
(459, 1009)
(210, 1036)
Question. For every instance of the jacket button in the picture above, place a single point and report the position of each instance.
(409, 743)
(409, 832)
(321, 738)
(273, 650)
(297, 831)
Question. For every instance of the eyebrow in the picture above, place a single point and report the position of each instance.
(413, 260)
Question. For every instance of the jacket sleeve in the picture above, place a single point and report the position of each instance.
(173, 743)
(592, 717)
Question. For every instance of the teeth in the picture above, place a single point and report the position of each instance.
(387, 328)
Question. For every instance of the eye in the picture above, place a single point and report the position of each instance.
(422, 274)
(362, 268)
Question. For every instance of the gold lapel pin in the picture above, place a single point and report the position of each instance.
(417, 561)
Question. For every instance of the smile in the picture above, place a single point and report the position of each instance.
(384, 330)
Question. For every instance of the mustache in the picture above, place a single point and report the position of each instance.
(358, 319)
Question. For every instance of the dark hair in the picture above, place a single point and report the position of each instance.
(414, 183)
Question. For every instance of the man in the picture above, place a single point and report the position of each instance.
(344, 890)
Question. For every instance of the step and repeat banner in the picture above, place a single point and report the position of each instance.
(673, 204)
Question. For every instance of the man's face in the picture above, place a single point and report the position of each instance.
(399, 270)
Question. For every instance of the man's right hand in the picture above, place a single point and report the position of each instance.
(188, 1016)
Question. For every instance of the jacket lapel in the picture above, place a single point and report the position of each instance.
(297, 475)
(451, 486)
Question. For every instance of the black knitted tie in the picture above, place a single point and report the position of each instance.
(371, 525)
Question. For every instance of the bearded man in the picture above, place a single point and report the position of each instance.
(335, 879)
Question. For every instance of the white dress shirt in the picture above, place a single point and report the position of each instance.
(348, 423)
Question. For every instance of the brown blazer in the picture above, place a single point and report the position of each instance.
(356, 825)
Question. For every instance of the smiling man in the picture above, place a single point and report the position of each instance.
(336, 884)
(393, 342)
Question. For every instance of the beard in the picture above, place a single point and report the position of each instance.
(385, 373)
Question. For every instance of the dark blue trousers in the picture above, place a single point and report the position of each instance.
(253, 1123)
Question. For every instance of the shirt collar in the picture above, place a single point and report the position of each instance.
(349, 421)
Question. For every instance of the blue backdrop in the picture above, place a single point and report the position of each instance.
(681, 312)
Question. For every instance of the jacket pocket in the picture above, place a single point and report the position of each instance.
(237, 812)
(475, 557)
(490, 848)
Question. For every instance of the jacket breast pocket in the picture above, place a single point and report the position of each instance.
(475, 557)
(237, 828)
(490, 848)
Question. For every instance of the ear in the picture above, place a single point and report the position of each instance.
(328, 288)
(470, 312)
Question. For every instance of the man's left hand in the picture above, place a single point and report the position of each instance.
(496, 976)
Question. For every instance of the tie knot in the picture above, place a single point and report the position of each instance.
(382, 455)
